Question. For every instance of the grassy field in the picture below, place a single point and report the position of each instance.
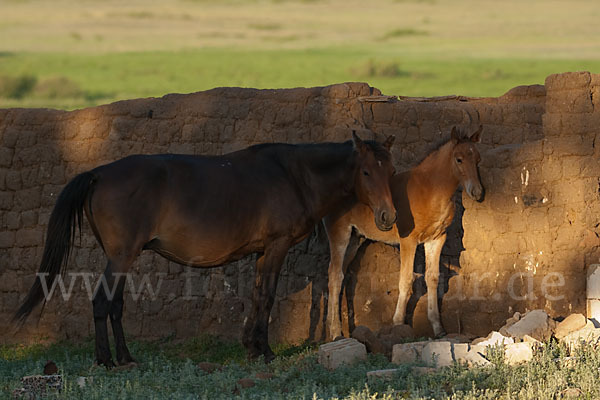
(169, 370)
(70, 54)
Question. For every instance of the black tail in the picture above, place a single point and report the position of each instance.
(64, 220)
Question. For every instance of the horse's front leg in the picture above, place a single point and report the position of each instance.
(339, 237)
(268, 266)
(433, 249)
(408, 247)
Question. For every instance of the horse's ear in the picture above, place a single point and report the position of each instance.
(389, 142)
(454, 135)
(476, 137)
(358, 143)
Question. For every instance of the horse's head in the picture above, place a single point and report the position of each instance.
(465, 159)
(371, 183)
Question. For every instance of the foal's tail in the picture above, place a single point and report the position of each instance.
(64, 220)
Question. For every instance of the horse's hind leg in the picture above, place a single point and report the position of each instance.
(101, 305)
(268, 266)
(109, 290)
(433, 250)
(116, 313)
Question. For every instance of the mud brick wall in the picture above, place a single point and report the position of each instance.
(528, 129)
(529, 244)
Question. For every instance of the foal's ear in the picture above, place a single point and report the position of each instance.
(358, 143)
(454, 135)
(389, 142)
(476, 137)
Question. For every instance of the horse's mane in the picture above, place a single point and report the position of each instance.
(380, 152)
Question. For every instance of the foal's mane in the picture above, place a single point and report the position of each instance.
(463, 137)
(381, 153)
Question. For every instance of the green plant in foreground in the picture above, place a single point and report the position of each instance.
(168, 369)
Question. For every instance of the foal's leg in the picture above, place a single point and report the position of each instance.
(256, 332)
(339, 236)
(116, 313)
(349, 282)
(407, 258)
(433, 250)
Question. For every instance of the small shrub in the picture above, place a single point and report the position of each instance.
(403, 32)
(16, 87)
(58, 88)
(265, 26)
(372, 68)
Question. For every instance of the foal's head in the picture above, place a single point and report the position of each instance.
(373, 173)
(465, 158)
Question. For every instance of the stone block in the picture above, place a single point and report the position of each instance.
(516, 353)
(405, 353)
(345, 351)
(475, 357)
(493, 339)
(460, 351)
(437, 354)
(383, 373)
(535, 323)
(7, 239)
(29, 237)
(587, 335)
(572, 323)
(6, 156)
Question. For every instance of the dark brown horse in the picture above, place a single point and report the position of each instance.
(205, 211)
(423, 200)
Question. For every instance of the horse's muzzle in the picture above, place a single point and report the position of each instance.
(476, 193)
(385, 220)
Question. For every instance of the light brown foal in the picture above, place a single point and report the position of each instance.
(423, 200)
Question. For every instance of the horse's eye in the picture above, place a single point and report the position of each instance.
(458, 160)
(365, 172)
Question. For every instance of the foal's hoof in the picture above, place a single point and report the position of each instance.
(441, 335)
(108, 364)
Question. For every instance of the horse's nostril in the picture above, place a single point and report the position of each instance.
(383, 217)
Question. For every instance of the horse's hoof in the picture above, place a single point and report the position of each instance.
(253, 355)
(126, 361)
(338, 338)
(269, 355)
(127, 366)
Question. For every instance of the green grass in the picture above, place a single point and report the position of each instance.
(168, 369)
(99, 79)
(71, 54)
